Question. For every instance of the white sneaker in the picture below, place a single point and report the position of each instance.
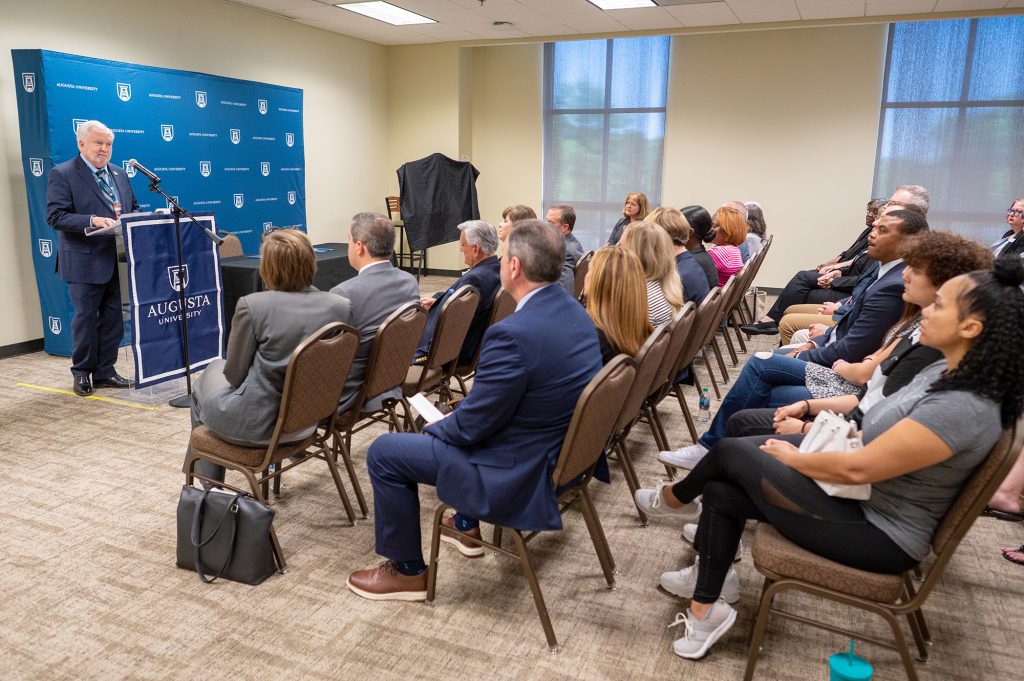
(650, 501)
(690, 535)
(700, 635)
(684, 457)
(682, 583)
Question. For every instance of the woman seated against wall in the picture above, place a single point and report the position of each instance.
(757, 230)
(932, 259)
(920, 445)
(730, 232)
(652, 246)
(702, 231)
(635, 209)
(695, 284)
(238, 397)
(617, 301)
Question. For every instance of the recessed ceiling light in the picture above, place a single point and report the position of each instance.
(386, 12)
(622, 4)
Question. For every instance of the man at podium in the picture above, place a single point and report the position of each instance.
(86, 192)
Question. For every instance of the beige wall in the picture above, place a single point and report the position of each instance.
(788, 118)
(345, 105)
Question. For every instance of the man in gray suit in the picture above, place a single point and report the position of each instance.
(375, 293)
(563, 217)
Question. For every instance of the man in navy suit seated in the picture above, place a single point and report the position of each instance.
(492, 458)
(80, 193)
(478, 241)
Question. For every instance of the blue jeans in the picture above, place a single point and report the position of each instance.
(771, 382)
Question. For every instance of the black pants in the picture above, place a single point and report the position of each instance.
(96, 328)
(739, 481)
(750, 422)
(802, 288)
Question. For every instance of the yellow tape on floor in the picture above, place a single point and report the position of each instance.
(109, 400)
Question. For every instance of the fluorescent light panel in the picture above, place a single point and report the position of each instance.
(386, 12)
(622, 4)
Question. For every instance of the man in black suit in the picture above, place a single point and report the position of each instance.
(87, 192)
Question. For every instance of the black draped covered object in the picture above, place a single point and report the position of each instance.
(437, 193)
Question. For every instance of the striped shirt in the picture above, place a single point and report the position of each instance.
(728, 261)
(658, 309)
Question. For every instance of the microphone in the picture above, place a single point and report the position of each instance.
(145, 171)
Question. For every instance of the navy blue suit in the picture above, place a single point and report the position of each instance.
(88, 263)
(695, 284)
(493, 457)
(486, 277)
(861, 330)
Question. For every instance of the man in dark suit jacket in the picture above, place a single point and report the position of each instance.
(492, 458)
(878, 299)
(478, 240)
(562, 217)
(88, 192)
(378, 290)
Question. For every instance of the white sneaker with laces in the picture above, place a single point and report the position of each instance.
(690, 535)
(700, 634)
(682, 583)
(650, 501)
(684, 457)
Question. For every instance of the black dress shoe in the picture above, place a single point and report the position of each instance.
(114, 381)
(760, 329)
(83, 387)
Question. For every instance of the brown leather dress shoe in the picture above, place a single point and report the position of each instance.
(466, 548)
(386, 583)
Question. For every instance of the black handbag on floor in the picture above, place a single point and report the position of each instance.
(228, 534)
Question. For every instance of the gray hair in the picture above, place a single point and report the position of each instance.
(92, 126)
(376, 232)
(918, 196)
(540, 248)
(481, 233)
(739, 206)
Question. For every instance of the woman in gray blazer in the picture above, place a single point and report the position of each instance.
(238, 397)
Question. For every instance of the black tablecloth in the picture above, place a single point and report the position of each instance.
(241, 275)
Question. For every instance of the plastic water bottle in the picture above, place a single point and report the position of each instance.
(704, 414)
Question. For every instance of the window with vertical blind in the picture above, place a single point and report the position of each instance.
(604, 127)
(952, 119)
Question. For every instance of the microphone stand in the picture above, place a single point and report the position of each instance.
(177, 211)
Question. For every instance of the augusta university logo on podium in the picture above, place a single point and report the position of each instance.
(28, 81)
(178, 277)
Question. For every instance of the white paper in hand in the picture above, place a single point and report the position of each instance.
(424, 408)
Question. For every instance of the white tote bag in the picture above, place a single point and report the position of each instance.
(833, 433)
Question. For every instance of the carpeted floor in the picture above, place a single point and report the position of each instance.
(90, 589)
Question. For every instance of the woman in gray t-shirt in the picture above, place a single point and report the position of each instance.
(920, 445)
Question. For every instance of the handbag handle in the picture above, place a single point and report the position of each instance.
(197, 543)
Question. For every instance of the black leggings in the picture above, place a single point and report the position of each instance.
(739, 481)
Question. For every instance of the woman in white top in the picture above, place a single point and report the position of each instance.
(653, 246)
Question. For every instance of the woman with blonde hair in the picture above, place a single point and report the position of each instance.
(695, 284)
(730, 232)
(635, 209)
(617, 301)
(653, 247)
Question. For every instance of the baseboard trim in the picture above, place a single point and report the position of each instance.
(23, 348)
(432, 272)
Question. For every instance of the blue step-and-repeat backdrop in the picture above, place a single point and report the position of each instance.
(221, 145)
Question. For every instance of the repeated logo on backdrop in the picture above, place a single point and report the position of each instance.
(228, 146)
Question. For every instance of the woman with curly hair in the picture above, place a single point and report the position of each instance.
(652, 245)
(920, 445)
(635, 209)
(617, 301)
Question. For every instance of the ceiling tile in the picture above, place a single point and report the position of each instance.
(755, 11)
(645, 19)
(830, 9)
(710, 14)
(883, 7)
(961, 5)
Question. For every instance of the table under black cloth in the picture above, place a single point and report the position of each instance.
(241, 275)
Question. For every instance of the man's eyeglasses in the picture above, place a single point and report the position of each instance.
(1015, 212)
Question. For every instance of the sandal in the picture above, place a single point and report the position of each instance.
(1008, 516)
(1014, 555)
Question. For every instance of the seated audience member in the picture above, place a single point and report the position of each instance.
(563, 217)
(1006, 503)
(741, 208)
(492, 457)
(478, 241)
(730, 231)
(702, 230)
(920, 446)
(617, 301)
(652, 246)
(829, 282)
(931, 259)
(757, 229)
(238, 397)
(1011, 242)
(513, 214)
(635, 209)
(695, 284)
(377, 291)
